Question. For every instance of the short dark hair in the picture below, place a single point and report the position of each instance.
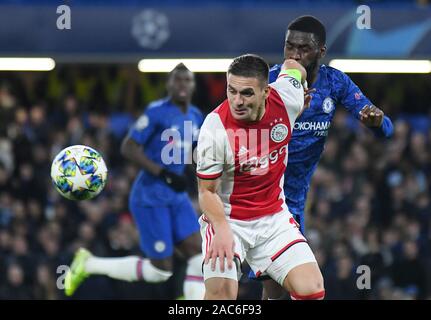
(179, 67)
(310, 24)
(250, 66)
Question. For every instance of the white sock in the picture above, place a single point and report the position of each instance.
(194, 287)
(130, 268)
(116, 268)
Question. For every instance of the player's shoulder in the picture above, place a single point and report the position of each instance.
(160, 106)
(275, 68)
(157, 103)
(195, 110)
(213, 126)
(157, 108)
(217, 115)
(274, 72)
(332, 74)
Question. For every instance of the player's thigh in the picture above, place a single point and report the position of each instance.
(222, 285)
(155, 230)
(298, 254)
(190, 246)
(279, 252)
(185, 227)
(304, 279)
(207, 233)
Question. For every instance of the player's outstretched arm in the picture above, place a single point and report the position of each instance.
(222, 244)
(360, 106)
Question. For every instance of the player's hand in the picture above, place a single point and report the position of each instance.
(173, 180)
(222, 245)
(371, 116)
(308, 97)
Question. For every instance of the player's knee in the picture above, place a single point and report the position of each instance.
(311, 289)
(165, 264)
(220, 289)
(153, 274)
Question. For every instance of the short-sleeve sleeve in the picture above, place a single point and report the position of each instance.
(144, 127)
(211, 148)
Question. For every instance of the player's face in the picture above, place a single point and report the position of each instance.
(246, 97)
(303, 47)
(181, 85)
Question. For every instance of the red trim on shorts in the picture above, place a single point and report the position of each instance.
(258, 274)
(139, 269)
(209, 176)
(207, 238)
(315, 296)
(275, 256)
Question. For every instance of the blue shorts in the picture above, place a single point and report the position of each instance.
(161, 228)
(300, 219)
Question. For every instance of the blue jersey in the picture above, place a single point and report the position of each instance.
(166, 135)
(311, 128)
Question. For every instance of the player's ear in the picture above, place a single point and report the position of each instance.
(266, 90)
(322, 52)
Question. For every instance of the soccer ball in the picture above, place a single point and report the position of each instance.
(79, 173)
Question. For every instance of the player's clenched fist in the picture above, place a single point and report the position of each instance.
(371, 116)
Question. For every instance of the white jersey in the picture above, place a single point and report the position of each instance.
(250, 158)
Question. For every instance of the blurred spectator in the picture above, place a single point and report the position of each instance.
(408, 272)
(45, 284)
(15, 287)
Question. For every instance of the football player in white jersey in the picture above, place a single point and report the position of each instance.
(242, 156)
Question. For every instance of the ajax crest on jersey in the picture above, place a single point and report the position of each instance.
(328, 105)
(79, 172)
(279, 132)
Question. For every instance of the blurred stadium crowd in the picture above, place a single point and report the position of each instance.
(369, 203)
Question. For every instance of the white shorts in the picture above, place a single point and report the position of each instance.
(271, 245)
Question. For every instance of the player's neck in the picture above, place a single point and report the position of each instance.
(182, 105)
(260, 112)
(312, 76)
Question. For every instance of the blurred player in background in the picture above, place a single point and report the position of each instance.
(242, 155)
(158, 201)
(305, 42)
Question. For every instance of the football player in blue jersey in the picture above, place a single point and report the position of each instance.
(160, 143)
(305, 42)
